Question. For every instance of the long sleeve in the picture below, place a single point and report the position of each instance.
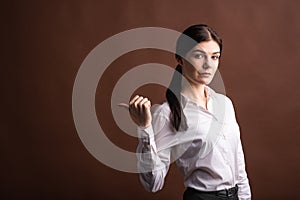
(244, 191)
(243, 182)
(153, 162)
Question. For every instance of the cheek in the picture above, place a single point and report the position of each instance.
(216, 63)
(191, 69)
(194, 65)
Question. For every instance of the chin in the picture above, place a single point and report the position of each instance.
(206, 82)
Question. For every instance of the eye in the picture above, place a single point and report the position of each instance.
(199, 56)
(215, 57)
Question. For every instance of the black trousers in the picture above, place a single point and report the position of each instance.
(227, 194)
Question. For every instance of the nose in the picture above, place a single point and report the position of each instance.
(207, 63)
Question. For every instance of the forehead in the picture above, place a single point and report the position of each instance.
(209, 47)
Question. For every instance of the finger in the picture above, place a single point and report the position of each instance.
(141, 104)
(147, 104)
(136, 103)
(124, 105)
(134, 99)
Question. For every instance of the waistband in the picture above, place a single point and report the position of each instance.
(226, 192)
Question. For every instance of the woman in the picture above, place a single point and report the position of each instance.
(196, 126)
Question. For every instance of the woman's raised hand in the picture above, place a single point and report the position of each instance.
(139, 109)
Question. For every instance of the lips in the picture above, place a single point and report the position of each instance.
(204, 74)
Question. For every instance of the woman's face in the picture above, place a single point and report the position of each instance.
(201, 62)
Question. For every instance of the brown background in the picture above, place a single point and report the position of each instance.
(44, 44)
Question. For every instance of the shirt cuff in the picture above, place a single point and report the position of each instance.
(147, 136)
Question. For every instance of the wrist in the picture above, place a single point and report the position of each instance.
(144, 127)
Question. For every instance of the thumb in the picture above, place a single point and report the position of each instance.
(124, 105)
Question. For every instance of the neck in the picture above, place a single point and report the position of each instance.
(196, 92)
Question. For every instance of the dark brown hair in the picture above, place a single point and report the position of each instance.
(189, 38)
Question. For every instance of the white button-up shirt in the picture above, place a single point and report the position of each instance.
(208, 154)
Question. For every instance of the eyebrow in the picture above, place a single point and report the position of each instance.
(198, 50)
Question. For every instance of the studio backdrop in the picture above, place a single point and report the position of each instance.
(46, 43)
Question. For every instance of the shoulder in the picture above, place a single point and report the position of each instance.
(162, 110)
(220, 98)
(160, 116)
(226, 99)
(229, 109)
(224, 104)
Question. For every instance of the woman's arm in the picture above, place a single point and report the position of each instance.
(153, 165)
(243, 182)
(153, 154)
(244, 191)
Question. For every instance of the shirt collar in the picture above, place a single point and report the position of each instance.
(209, 91)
